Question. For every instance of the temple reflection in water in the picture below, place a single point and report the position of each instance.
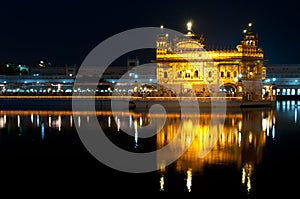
(238, 140)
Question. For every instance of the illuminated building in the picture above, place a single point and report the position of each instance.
(286, 77)
(187, 66)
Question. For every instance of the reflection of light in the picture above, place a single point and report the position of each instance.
(38, 120)
(31, 118)
(162, 183)
(2, 125)
(130, 121)
(109, 121)
(240, 125)
(118, 124)
(250, 138)
(240, 138)
(264, 124)
(88, 119)
(268, 126)
(18, 120)
(246, 175)
(189, 180)
(43, 131)
(296, 112)
(135, 134)
(49, 121)
(71, 120)
(79, 121)
(59, 122)
(141, 121)
(273, 132)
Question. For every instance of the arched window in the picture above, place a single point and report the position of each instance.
(209, 74)
(165, 75)
(188, 73)
(234, 74)
(228, 74)
(196, 74)
(222, 74)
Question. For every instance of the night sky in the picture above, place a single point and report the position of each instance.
(64, 32)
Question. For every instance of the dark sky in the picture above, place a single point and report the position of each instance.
(64, 32)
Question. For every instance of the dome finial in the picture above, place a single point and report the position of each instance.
(189, 26)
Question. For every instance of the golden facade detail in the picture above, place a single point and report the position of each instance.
(184, 65)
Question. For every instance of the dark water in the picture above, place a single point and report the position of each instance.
(248, 153)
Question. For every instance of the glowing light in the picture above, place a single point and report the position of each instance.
(118, 124)
(19, 120)
(37, 120)
(49, 120)
(240, 125)
(250, 138)
(189, 180)
(71, 120)
(109, 121)
(240, 138)
(135, 135)
(162, 183)
(161, 27)
(141, 121)
(2, 122)
(296, 112)
(244, 31)
(59, 123)
(79, 121)
(246, 175)
(43, 131)
(189, 26)
(249, 24)
(264, 124)
(31, 118)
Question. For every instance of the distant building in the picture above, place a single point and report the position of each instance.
(286, 77)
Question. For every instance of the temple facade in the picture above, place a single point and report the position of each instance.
(185, 66)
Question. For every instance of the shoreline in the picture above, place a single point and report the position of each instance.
(136, 103)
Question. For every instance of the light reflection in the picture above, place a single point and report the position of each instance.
(59, 122)
(135, 134)
(49, 121)
(296, 114)
(71, 120)
(240, 138)
(189, 180)
(118, 124)
(2, 123)
(38, 120)
(79, 121)
(250, 138)
(162, 183)
(273, 132)
(239, 141)
(18, 120)
(109, 122)
(43, 131)
(247, 171)
(31, 118)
